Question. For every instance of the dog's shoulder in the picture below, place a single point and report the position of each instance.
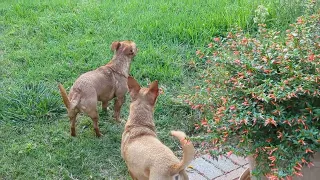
(136, 132)
(104, 69)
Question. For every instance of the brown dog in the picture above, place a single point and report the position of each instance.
(146, 157)
(102, 84)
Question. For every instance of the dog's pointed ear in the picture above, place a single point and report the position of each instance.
(153, 88)
(115, 45)
(133, 86)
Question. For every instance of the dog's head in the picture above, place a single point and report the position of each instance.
(140, 95)
(127, 48)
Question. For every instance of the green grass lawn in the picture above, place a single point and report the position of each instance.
(43, 42)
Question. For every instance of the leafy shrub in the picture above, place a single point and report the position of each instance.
(30, 102)
(260, 95)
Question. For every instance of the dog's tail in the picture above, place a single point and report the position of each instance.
(64, 96)
(188, 152)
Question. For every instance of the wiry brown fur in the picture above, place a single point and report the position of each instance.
(146, 157)
(102, 84)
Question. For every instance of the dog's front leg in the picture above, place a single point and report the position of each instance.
(117, 107)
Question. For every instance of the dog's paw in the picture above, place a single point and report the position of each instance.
(99, 135)
(122, 121)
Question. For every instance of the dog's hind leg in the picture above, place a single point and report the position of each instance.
(133, 178)
(155, 176)
(95, 118)
(73, 117)
(104, 105)
(184, 175)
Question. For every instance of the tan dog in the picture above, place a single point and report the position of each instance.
(145, 156)
(102, 84)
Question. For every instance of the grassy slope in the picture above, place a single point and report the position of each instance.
(57, 41)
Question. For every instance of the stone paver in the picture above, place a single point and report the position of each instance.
(238, 160)
(232, 175)
(194, 174)
(223, 163)
(205, 168)
(225, 168)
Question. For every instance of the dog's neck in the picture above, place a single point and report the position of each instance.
(120, 64)
(141, 115)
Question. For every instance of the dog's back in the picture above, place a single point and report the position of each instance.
(98, 84)
(145, 156)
